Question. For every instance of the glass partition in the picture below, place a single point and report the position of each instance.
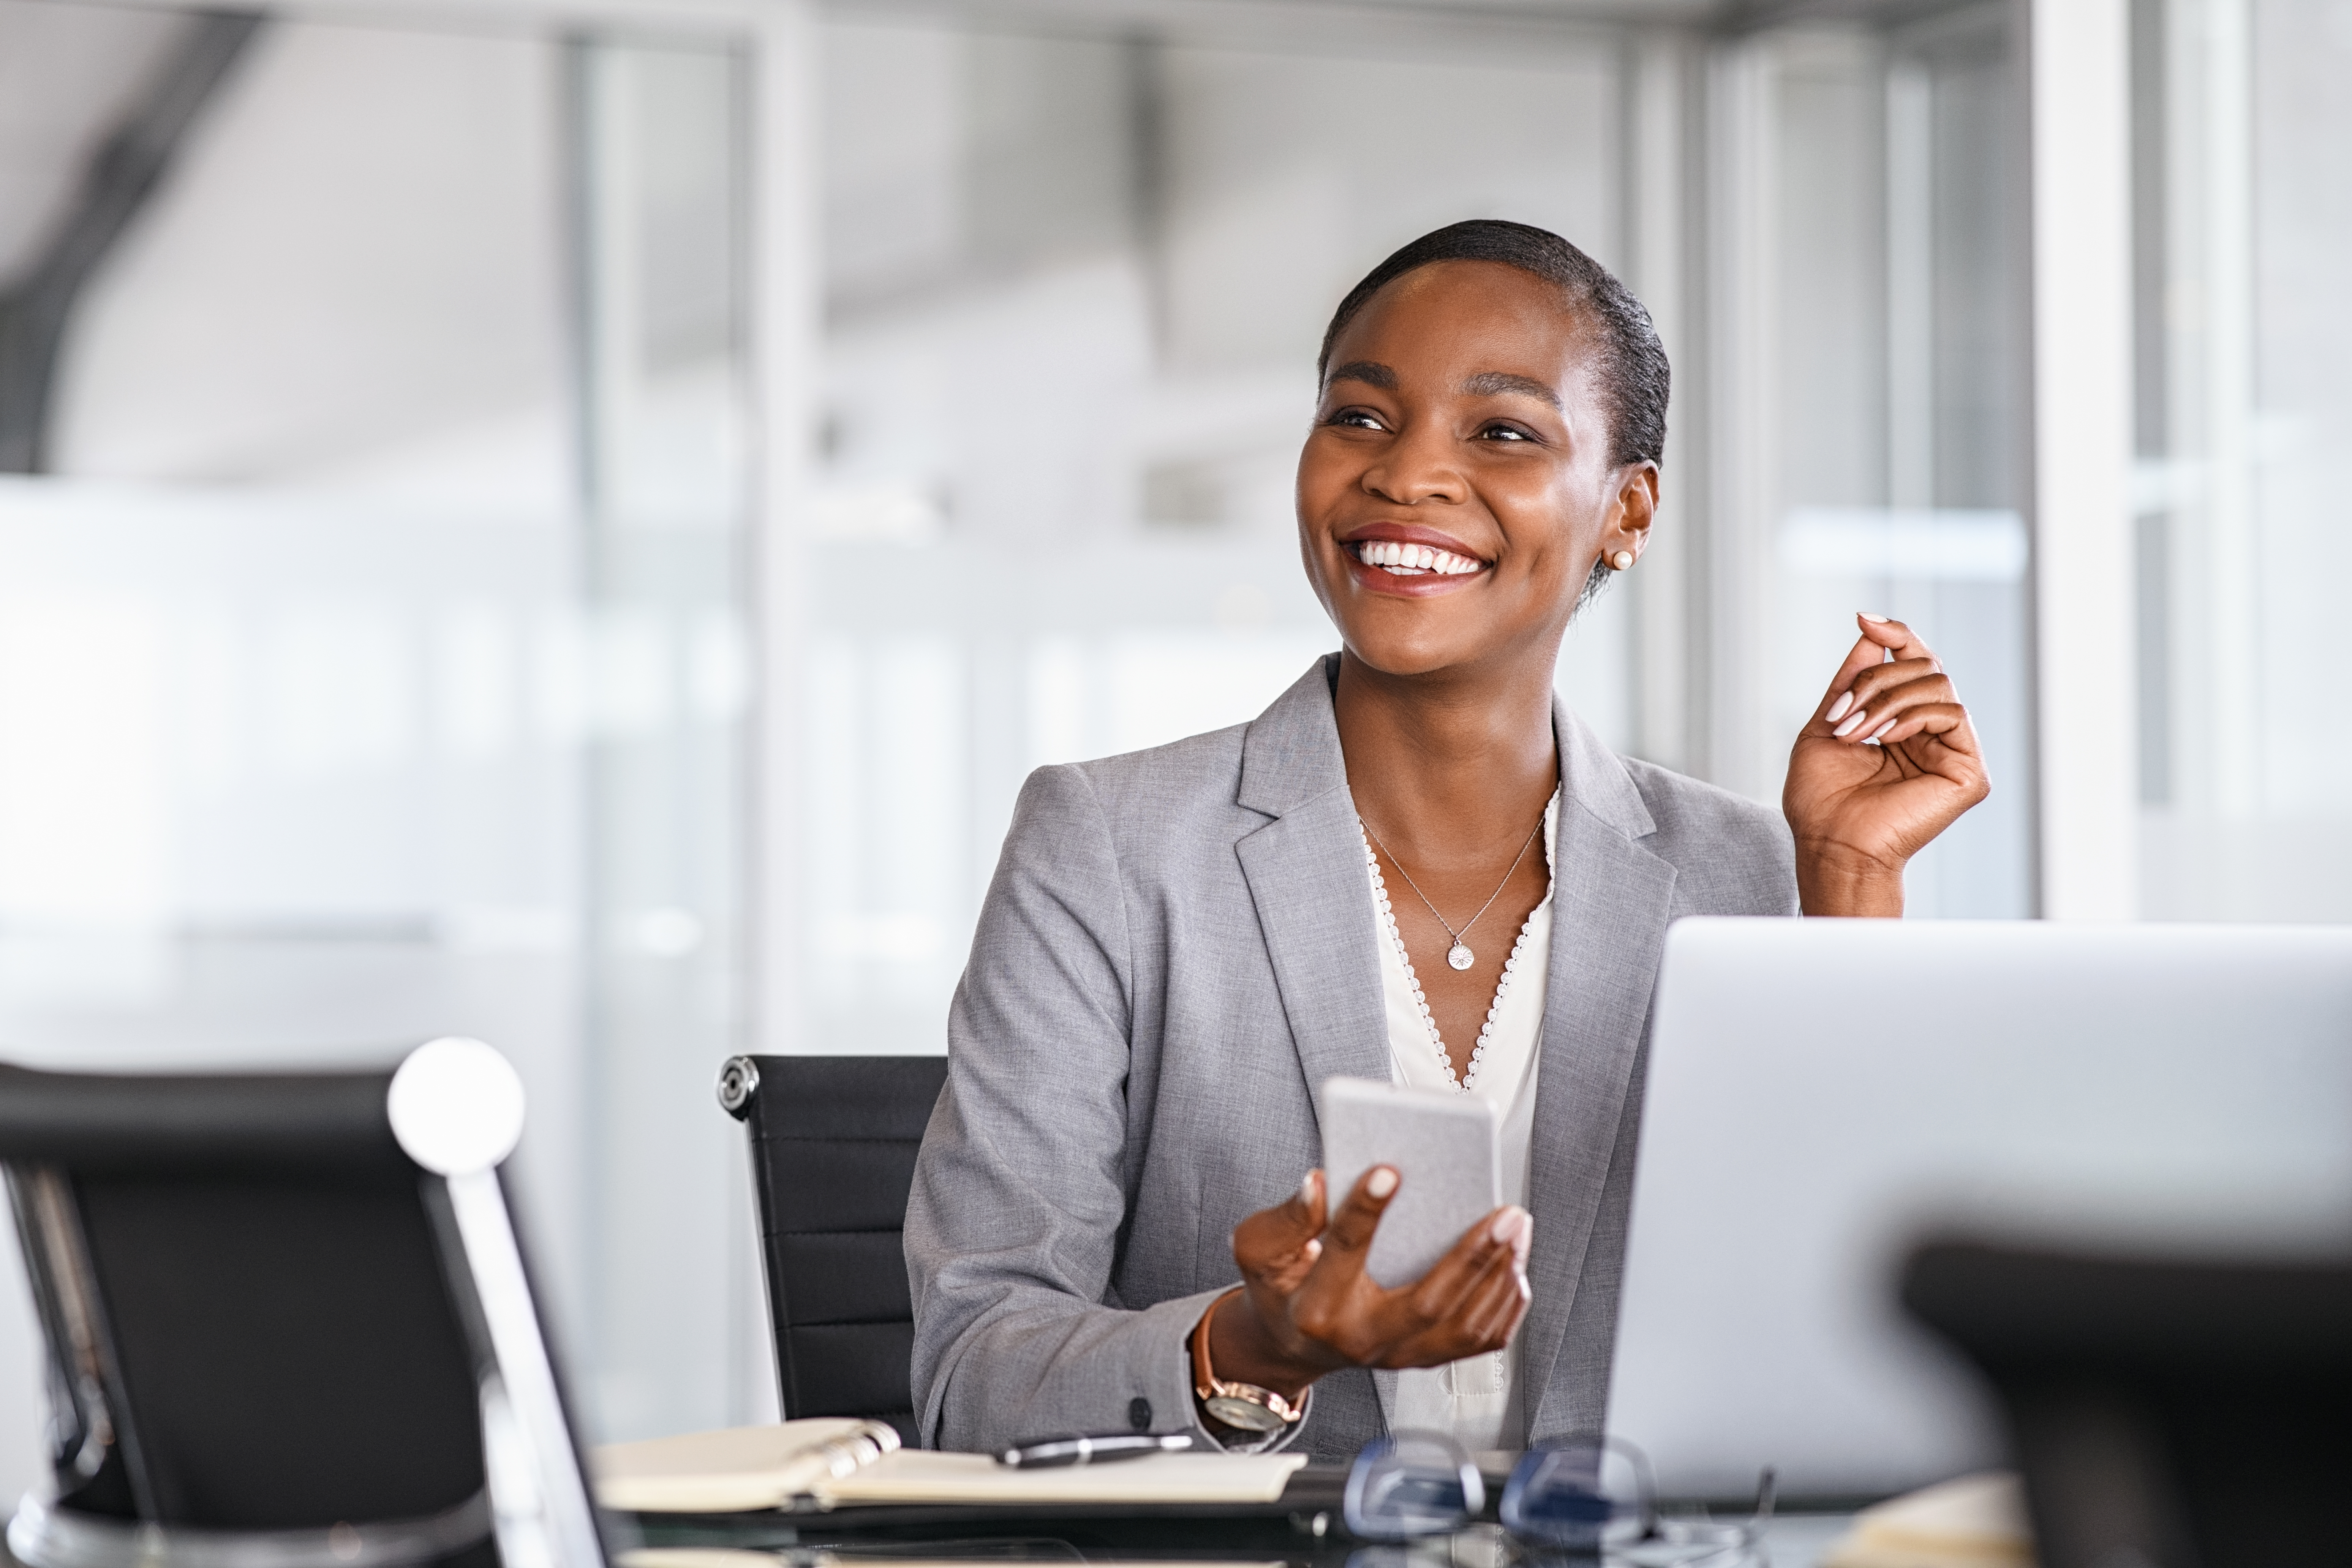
(1871, 411)
(658, 177)
(2243, 531)
(1074, 290)
(1074, 287)
(371, 660)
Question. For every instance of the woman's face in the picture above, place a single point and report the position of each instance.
(1461, 444)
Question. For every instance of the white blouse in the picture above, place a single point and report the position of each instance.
(1479, 1401)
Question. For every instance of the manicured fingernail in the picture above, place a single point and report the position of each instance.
(1306, 1187)
(1382, 1182)
(1873, 620)
(1838, 708)
(1842, 731)
(1508, 1226)
(1880, 732)
(1313, 1249)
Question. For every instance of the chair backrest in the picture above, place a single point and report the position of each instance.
(2163, 1413)
(264, 1317)
(833, 1157)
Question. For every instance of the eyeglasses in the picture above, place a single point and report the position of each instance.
(1411, 1484)
(1584, 1496)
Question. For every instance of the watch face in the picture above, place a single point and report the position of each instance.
(1247, 1414)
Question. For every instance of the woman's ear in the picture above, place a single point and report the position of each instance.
(1631, 511)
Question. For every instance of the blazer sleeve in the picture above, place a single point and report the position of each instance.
(1018, 1196)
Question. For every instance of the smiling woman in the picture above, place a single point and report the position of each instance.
(1108, 1225)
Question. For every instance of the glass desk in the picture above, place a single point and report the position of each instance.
(1303, 1528)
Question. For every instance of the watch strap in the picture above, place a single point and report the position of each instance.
(1243, 1405)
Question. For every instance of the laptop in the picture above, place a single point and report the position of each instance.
(1823, 1094)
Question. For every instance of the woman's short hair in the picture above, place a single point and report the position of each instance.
(1634, 376)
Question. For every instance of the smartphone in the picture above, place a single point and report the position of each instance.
(1446, 1149)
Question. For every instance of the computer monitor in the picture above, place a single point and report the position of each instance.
(1822, 1093)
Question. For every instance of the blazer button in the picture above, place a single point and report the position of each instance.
(1138, 1414)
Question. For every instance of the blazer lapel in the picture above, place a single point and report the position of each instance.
(1611, 900)
(1610, 903)
(1306, 875)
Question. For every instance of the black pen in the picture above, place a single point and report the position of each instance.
(1052, 1452)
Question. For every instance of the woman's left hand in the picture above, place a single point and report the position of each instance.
(1861, 811)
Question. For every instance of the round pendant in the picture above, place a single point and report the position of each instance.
(1459, 956)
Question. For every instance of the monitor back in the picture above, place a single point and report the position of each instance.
(1820, 1093)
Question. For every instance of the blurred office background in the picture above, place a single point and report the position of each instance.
(568, 523)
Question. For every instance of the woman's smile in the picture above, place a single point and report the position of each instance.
(1410, 561)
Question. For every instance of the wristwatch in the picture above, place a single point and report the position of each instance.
(1244, 1406)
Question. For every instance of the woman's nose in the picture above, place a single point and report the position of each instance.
(1418, 467)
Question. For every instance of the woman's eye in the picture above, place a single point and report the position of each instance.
(1359, 418)
(1504, 433)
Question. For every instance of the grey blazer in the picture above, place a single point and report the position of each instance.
(1176, 950)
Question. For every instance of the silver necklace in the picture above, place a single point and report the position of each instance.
(1459, 955)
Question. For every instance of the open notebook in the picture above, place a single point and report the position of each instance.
(832, 1462)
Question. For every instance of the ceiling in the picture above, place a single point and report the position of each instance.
(68, 73)
(70, 69)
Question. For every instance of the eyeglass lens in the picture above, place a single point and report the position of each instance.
(1580, 1494)
(1410, 1485)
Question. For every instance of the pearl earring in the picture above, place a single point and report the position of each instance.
(1622, 561)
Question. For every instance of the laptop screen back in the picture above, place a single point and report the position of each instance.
(1820, 1093)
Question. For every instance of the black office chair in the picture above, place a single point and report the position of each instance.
(2164, 1413)
(280, 1311)
(833, 1157)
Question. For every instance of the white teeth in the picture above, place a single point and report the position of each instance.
(1414, 560)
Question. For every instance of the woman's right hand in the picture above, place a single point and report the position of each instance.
(1308, 1306)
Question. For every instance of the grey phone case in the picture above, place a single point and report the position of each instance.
(1445, 1146)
